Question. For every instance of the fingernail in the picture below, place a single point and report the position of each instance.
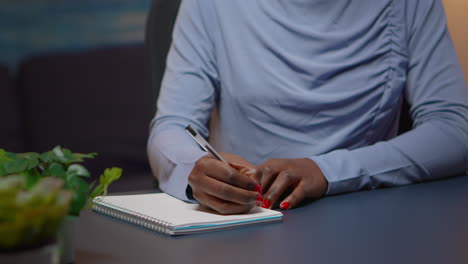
(266, 204)
(258, 188)
(250, 172)
(259, 200)
(284, 205)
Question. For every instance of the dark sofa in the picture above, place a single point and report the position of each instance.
(96, 100)
(10, 128)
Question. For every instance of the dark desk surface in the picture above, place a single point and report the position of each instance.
(422, 223)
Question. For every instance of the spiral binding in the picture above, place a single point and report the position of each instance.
(132, 217)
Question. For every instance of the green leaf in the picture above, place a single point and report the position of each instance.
(70, 178)
(16, 166)
(32, 177)
(97, 191)
(56, 170)
(79, 157)
(29, 155)
(2, 170)
(6, 156)
(91, 186)
(11, 163)
(110, 175)
(59, 163)
(105, 180)
(5, 159)
(47, 157)
(3, 156)
(79, 187)
(62, 155)
(77, 184)
(59, 154)
(31, 158)
(78, 202)
(79, 170)
(65, 156)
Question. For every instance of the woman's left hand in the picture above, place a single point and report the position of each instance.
(297, 179)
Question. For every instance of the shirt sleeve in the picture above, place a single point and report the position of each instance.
(187, 96)
(437, 146)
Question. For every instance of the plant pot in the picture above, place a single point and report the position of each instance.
(44, 254)
(68, 235)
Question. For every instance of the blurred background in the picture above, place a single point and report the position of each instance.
(76, 74)
(72, 73)
(457, 23)
(30, 27)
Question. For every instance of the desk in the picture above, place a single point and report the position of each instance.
(421, 223)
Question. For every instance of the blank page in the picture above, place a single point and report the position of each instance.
(163, 207)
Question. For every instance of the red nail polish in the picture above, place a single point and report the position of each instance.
(284, 205)
(263, 206)
(266, 203)
(259, 198)
(258, 188)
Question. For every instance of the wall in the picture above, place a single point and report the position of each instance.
(458, 26)
(29, 27)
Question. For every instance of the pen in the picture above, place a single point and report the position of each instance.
(203, 144)
(208, 148)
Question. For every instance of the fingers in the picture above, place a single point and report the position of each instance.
(223, 188)
(295, 179)
(283, 182)
(303, 191)
(231, 158)
(247, 171)
(227, 192)
(266, 177)
(222, 206)
(293, 199)
(220, 171)
(267, 172)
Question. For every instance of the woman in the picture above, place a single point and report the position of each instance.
(310, 91)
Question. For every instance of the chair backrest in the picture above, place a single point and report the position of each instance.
(11, 136)
(89, 101)
(158, 38)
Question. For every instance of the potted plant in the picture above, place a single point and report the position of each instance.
(63, 164)
(30, 217)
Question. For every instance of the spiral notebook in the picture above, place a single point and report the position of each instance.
(163, 213)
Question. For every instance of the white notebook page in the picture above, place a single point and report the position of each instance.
(178, 213)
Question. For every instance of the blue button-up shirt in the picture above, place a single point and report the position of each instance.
(318, 79)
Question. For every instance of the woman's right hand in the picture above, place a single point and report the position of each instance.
(225, 189)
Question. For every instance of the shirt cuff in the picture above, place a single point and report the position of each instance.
(178, 181)
(343, 174)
